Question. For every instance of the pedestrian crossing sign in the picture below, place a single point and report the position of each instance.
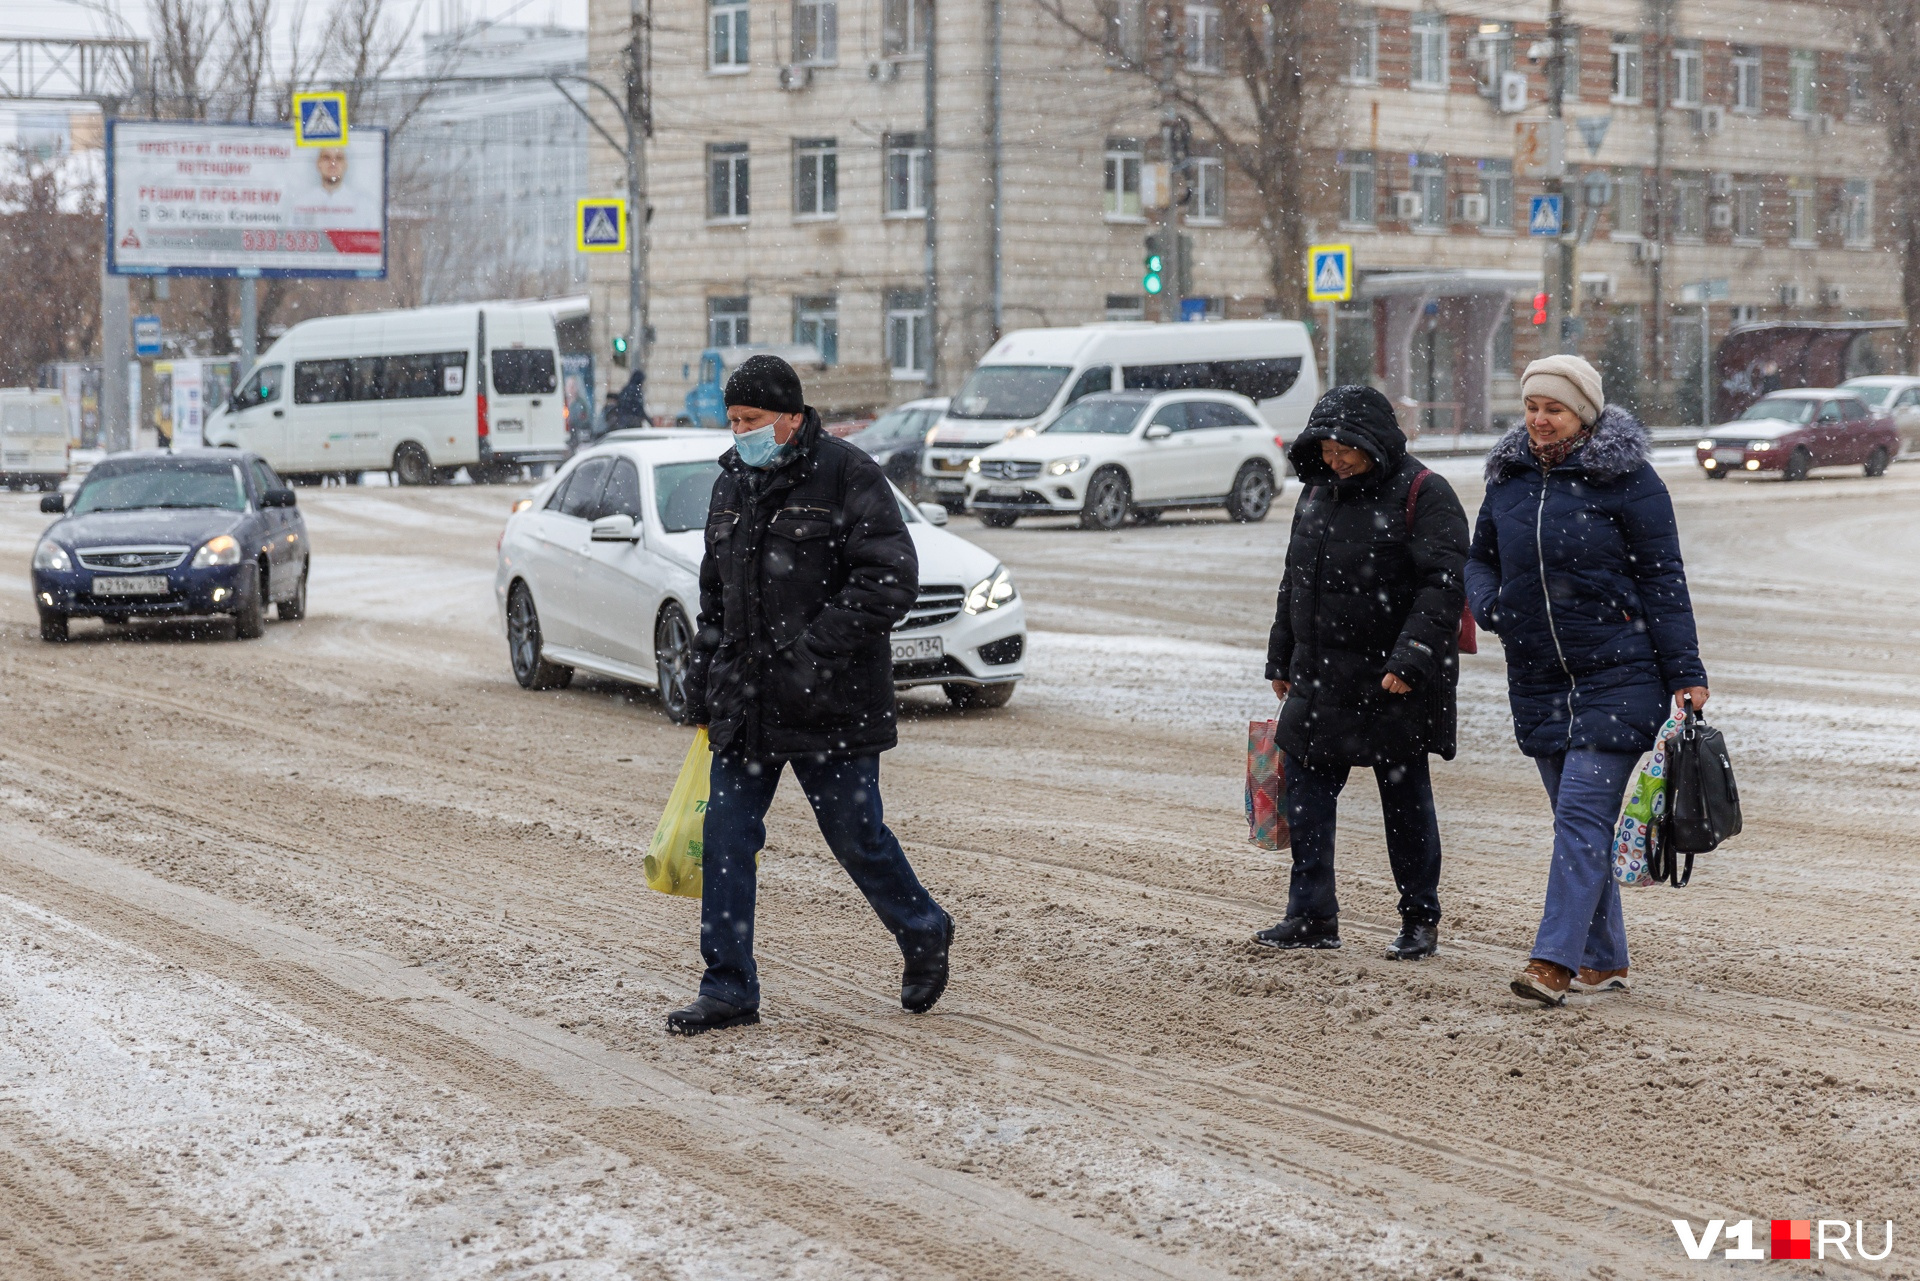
(319, 119)
(600, 225)
(1329, 273)
(1543, 216)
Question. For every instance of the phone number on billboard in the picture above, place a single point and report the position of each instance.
(302, 242)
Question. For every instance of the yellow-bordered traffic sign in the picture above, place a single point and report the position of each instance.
(320, 119)
(1329, 273)
(600, 225)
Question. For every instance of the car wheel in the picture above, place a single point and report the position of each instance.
(1109, 495)
(1799, 463)
(998, 520)
(53, 627)
(1718, 473)
(412, 466)
(1146, 515)
(968, 697)
(1252, 495)
(295, 608)
(523, 645)
(1877, 461)
(672, 661)
(250, 617)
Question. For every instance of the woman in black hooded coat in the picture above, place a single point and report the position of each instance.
(1364, 651)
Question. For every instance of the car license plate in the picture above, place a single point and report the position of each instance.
(136, 585)
(919, 649)
(1003, 491)
(1729, 455)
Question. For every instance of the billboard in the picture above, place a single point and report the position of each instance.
(188, 198)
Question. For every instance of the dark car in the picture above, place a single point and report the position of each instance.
(173, 535)
(895, 440)
(1792, 432)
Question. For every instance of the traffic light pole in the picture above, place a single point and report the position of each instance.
(1557, 266)
(1169, 125)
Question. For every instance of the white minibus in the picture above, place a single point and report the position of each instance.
(33, 438)
(1030, 375)
(403, 391)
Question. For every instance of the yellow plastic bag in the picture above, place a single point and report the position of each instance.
(673, 860)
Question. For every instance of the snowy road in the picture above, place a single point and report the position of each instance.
(326, 955)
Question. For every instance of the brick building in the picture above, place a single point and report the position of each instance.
(791, 181)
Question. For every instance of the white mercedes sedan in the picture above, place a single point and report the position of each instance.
(599, 571)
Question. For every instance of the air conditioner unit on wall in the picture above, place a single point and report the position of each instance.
(1598, 286)
(794, 78)
(883, 69)
(1647, 251)
(1791, 295)
(1408, 206)
(1470, 208)
(1513, 91)
(1721, 216)
(1832, 295)
(1721, 185)
(1708, 121)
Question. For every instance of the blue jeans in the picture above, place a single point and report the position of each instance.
(1582, 924)
(845, 796)
(1413, 838)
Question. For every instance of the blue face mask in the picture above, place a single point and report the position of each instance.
(758, 448)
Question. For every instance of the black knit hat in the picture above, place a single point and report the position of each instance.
(766, 382)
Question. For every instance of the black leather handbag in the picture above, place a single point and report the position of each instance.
(1703, 803)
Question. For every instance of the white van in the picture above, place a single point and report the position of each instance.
(1030, 375)
(400, 391)
(33, 438)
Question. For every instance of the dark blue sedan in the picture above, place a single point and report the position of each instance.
(176, 536)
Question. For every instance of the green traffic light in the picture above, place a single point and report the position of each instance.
(1151, 283)
(619, 344)
(1154, 265)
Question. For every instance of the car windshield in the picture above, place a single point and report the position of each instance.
(1789, 409)
(1008, 391)
(895, 425)
(682, 491)
(1096, 418)
(1873, 395)
(162, 483)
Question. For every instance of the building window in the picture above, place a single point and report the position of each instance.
(1689, 75)
(816, 31)
(1493, 49)
(1856, 213)
(1629, 206)
(1496, 184)
(1803, 201)
(1429, 174)
(1803, 84)
(1123, 31)
(729, 22)
(727, 322)
(1429, 52)
(907, 333)
(1746, 79)
(1126, 307)
(1362, 28)
(1209, 191)
(1743, 313)
(903, 28)
(816, 321)
(906, 176)
(1747, 210)
(1626, 67)
(1859, 85)
(816, 178)
(727, 182)
(1689, 206)
(1206, 40)
(1356, 188)
(1123, 160)
(1503, 344)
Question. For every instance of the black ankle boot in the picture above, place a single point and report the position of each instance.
(706, 1014)
(1416, 939)
(1301, 931)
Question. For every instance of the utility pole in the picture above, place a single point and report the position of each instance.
(639, 119)
(1660, 13)
(931, 264)
(1169, 124)
(1556, 266)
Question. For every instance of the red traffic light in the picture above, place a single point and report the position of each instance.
(1540, 308)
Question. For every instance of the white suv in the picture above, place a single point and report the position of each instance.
(1112, 455)
(599, 570)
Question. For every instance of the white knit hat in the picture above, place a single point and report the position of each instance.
(1569, 380)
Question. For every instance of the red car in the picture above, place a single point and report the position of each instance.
(1792, 432)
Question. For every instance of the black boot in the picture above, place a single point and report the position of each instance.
(1416, 939)
(1301, 931)
(707, 1013)
(925, 977)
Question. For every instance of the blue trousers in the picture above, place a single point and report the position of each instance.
(1582, 924)
(1413, 837)
(845, 796)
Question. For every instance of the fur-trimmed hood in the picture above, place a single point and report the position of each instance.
(1618, 446)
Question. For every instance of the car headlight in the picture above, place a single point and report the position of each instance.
(1066, 466)
(991, 592)
(1704, 444)
(521, 504)
(222, 549)
(973, 464)
(1760, 444)
(51, 555)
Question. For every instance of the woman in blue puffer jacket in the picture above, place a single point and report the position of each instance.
(1576, 567)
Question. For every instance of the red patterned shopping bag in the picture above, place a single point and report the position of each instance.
(1266, 789)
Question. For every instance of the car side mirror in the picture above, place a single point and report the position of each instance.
(935, 513)
(277, 498)
(53, 503)
(617, 528)
(1159, 431)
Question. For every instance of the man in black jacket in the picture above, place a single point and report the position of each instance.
(808, 568)
(1364, 651)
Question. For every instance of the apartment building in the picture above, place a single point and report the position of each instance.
(808, 184)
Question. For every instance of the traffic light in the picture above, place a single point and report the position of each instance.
(1155, 278)
(1540, 308)
(620, 350)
